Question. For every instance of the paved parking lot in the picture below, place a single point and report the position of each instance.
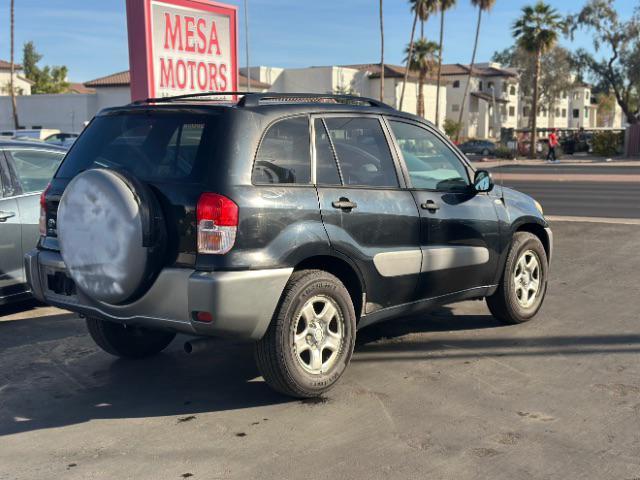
(451, 395)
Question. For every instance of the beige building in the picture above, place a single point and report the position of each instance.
(22, 84)
(492, 102)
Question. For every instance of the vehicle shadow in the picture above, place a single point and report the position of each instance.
(57, 377)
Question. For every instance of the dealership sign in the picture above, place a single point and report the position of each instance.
(181, 46)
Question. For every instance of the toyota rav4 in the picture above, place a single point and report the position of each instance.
(288, 220)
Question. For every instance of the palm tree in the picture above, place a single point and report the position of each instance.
(13, 68)
(536, 32)
(421, 9)
(381, 54)
(443, 6)
(422, 58)
(483, 6)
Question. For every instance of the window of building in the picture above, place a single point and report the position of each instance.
(490, 86)
(586, 112)
(284, 155)
(480, 85)
(576, 95)
(504, 87)
(326, 166)
(456, 84)
(455, 107)
(576, 113)
(564, 95)
(512, 91)
(586, 95)
(362, 150)
(564, 113)
(512, 111)
(557, 114)
(431, 164)
(503, 110)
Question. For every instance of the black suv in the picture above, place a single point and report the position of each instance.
(288, 220)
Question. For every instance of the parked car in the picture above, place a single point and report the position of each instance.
(478, 147)
(62, 139)
(34, 133)
(289, 221)
(25, 170)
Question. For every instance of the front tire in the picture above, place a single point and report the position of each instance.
(524, 281)
(127, 341)
(311, 337)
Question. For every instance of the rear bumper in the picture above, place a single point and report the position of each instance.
(242, 303)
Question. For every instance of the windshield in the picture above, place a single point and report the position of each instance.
(150, 145)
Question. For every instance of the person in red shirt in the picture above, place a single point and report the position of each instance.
(553, 143)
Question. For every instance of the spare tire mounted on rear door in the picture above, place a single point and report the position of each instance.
(112, 235)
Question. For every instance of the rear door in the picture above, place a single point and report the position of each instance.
(459, 234)
(11, 270)
(368, 214)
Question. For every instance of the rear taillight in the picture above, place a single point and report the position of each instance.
(217, 218)
(42, 224)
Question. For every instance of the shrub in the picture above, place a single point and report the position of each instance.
(607, 143)
(504, 152)
(451, 127)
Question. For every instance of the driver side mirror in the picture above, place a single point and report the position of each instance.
(483, 181)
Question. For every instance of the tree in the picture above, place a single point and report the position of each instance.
(421, 59)
(555, 80)
(421, 9)
(12, 88)
(381, 54)
(606, 109)
(618, 72)
(483, 5)
(47, 79)
(451, 127)
(536, 32)
(443, 6)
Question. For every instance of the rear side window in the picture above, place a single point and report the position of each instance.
(284, 153)
(35, 168)
(152, 146)
(326, 167)
(363, 152)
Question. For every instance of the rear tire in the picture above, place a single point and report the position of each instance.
(127, 341)
(311, 337)
(524, 281)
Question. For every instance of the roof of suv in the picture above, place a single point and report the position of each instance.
(270, 103)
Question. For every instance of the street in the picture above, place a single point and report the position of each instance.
(592, 190)
(450, 395)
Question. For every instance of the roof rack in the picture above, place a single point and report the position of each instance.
(256, 99)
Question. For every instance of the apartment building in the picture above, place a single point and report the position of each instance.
(492, 102)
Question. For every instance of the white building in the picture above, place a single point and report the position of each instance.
(492, 100)
(21, 84)
(69, 112)
(358, 79)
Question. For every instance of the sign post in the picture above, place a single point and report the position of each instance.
(181, 46)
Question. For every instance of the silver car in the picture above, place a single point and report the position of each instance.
(25, 171)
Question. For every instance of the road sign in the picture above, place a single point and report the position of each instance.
(181, 46)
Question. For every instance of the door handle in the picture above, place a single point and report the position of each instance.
(430, 205)
(344, 204)
(4, 216)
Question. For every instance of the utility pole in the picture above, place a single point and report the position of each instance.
(246, 38)
(16, 123)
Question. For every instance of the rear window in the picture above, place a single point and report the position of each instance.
(152, 146)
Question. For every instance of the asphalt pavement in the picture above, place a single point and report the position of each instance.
(448, 395)
(601, 190)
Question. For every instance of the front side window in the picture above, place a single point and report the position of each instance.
(430, 162)
(35, 168)
(362, 150)
(284, 155)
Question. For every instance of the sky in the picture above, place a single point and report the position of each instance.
(90, 36)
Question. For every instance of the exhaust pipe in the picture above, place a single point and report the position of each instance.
(199, 344)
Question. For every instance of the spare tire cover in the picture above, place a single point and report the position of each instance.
(100, 231)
